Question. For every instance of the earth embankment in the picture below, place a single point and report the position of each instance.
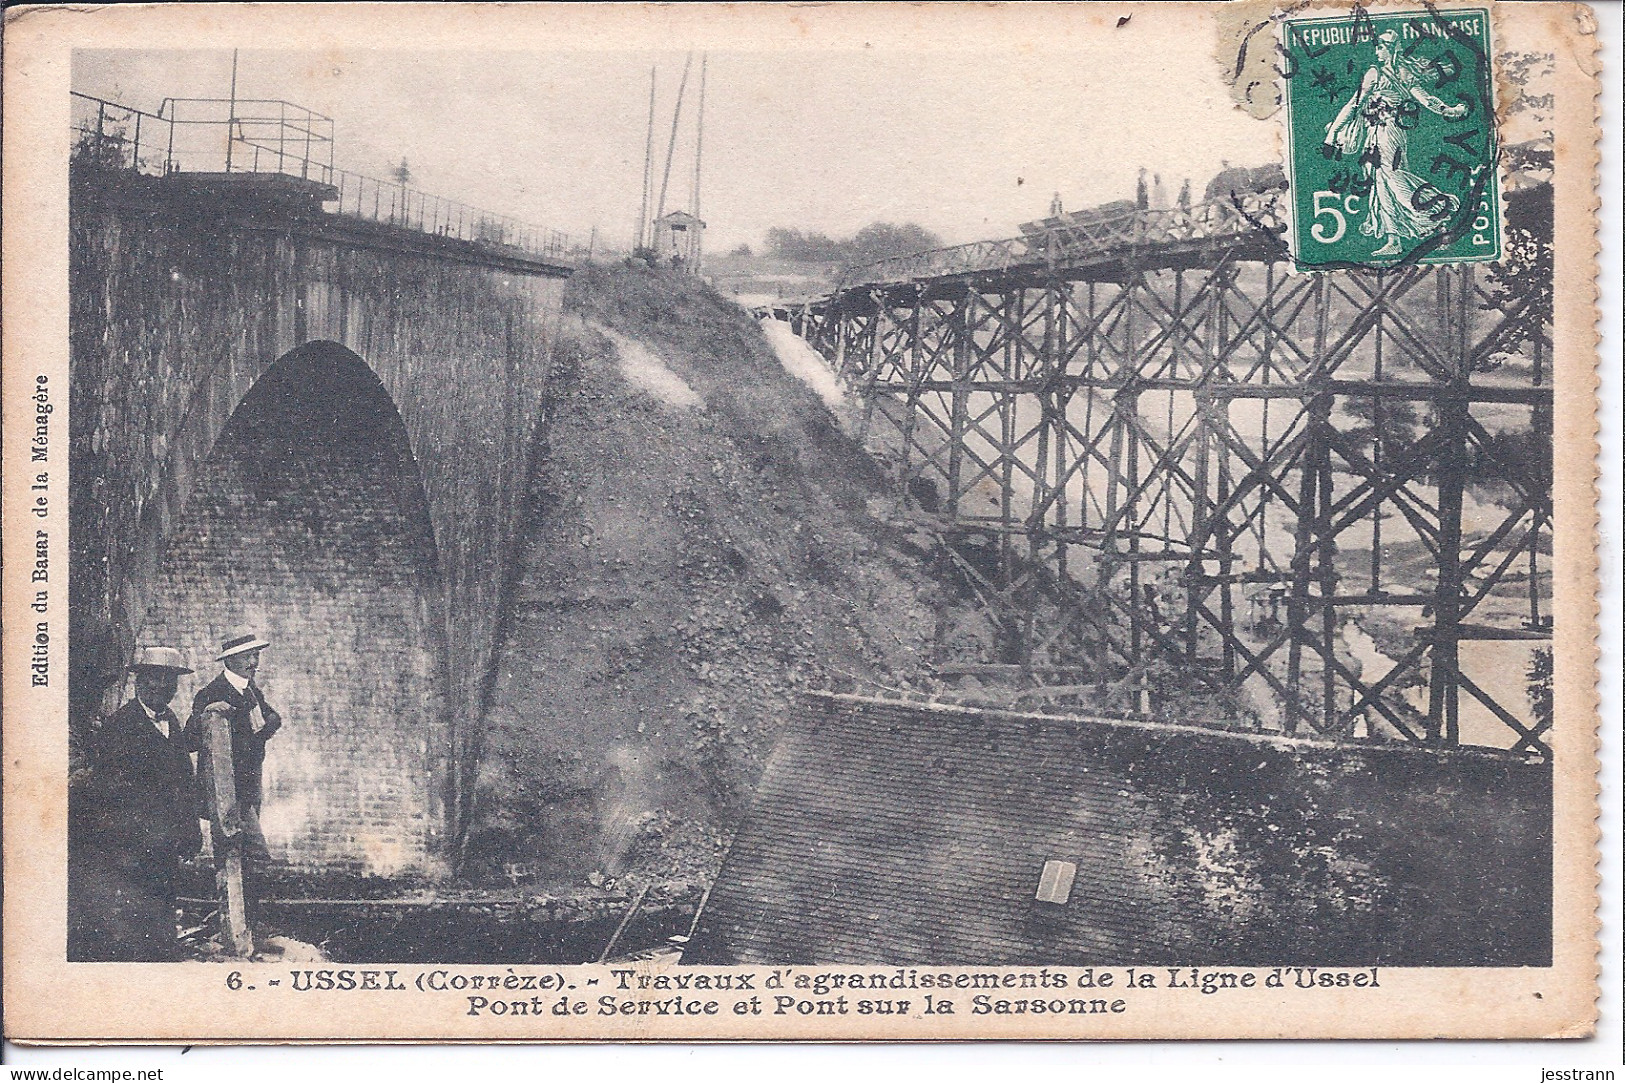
(700, 549)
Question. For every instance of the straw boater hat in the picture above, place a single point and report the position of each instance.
(166, 658)
(240, 645)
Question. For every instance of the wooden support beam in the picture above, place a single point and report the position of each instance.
(1450, 428)
(1191, 408)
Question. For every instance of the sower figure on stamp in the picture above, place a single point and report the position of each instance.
(1371, 127)
(253, 722)
(143, 814)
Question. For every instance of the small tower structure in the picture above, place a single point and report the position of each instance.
(679, 240)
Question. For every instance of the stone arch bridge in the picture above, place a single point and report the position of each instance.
(318, 428)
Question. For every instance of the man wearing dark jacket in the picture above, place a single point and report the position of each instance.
(253, 723)
(143, 814)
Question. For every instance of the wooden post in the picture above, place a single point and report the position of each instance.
(214, 760)
(631, 911)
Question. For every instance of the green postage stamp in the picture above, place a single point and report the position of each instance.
(1391, 155)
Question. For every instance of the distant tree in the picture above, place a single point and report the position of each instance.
(402, 174)
(1521, 455)
(1539, 678)
(796, 245)
(1398, 423)
(882, 239)
(1521, 281)
(742, 250)
(107, 144)
(875, 241)
(106, 149)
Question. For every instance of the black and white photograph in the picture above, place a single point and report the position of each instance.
(916, 518)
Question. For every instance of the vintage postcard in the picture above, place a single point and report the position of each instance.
(565, 522)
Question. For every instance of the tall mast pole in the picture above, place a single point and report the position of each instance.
(231, 117)
(671, 144)
(699, 145)
(648, 165)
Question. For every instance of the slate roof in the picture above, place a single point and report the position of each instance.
(889, 832)
(680, 218)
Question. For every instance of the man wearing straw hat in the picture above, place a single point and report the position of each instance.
(253, 723)
(144, 813)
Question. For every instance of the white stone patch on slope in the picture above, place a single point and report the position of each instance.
(803, 362)
(644, 370)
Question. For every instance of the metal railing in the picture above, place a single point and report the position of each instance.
(116, 136)
(1075, 238)
(261, 135)
(396, 204)
(270, 136)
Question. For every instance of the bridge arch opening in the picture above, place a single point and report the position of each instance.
(308, 525)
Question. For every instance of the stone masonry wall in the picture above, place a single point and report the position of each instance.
(309, 528)
(177, 306)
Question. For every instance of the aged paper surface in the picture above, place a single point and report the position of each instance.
(745, 617)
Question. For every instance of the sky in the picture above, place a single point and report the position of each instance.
(968, 144)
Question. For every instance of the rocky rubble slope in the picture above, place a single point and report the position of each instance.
(700, 549)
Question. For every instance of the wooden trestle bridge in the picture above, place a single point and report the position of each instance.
(1314, 503)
